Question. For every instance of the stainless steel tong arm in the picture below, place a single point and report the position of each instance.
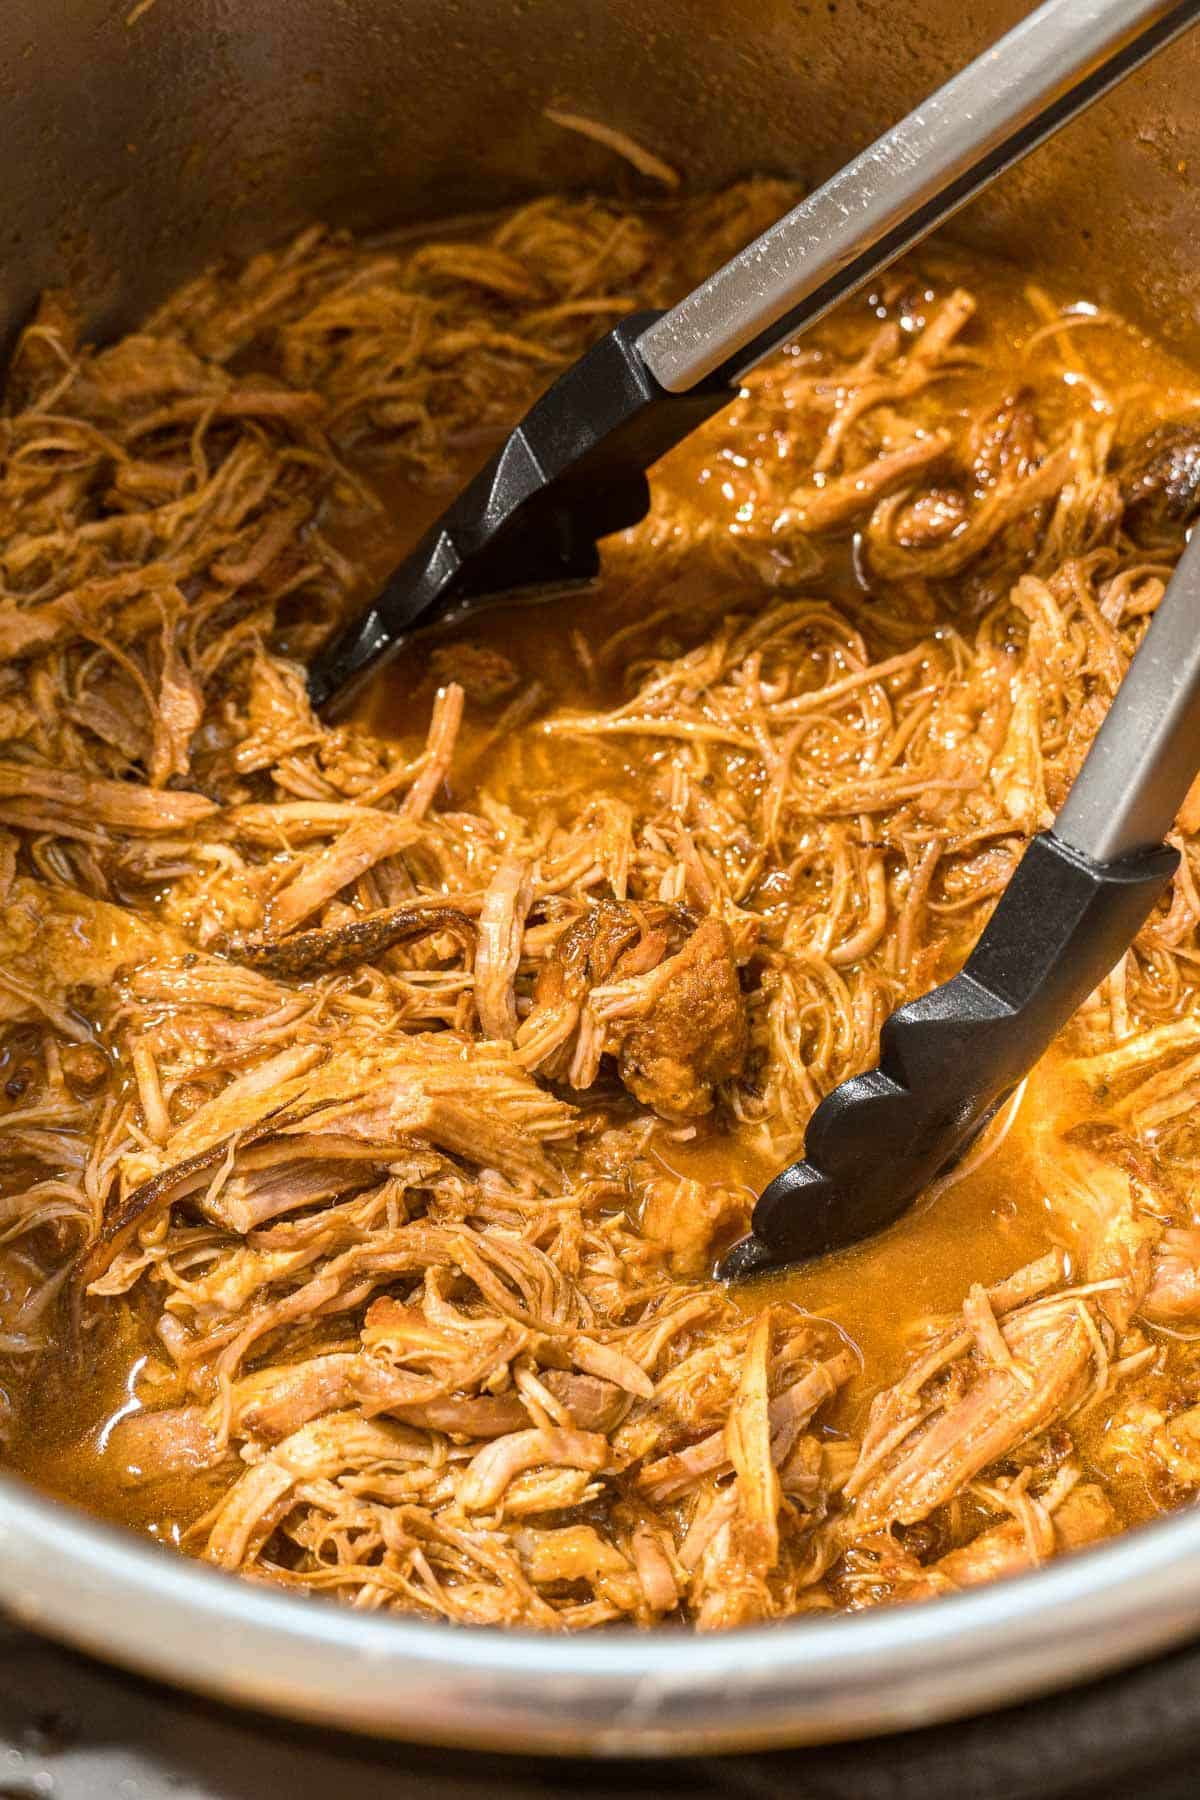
(1146, 753)
(1039, 76)
(1076, 901)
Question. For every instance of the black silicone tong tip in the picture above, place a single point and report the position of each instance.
(948, 1059)
(570, 474)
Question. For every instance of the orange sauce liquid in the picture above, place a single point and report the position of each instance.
(980, 1227)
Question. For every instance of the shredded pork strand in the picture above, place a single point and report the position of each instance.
(376, 1099)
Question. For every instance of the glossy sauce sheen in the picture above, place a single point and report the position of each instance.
(987, 1224)
(977, 1228)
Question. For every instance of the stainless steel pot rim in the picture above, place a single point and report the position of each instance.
(664, 1692)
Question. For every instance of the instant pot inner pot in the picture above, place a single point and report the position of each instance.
(143, 138)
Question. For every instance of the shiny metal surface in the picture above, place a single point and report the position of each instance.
(74, 1729)
(139, 147)
(1146, 754)
(607, 1693)
(1013, 97)
(136, 152)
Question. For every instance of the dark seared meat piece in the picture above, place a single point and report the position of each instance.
(342, 946)
(1160, 482)
(681, 1027)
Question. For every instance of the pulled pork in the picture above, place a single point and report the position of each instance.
(376, 1100)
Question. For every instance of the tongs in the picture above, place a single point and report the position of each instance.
(1075, 902)
(574, 471)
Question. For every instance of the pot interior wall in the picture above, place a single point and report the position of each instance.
(145, 137)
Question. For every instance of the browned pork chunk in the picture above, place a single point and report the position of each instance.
(691, 1218)
(562, 1037)
(1160, 481)
(675, 1022)
(681, 1029)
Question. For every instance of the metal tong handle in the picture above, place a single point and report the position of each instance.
(1146, 753)
(1037, 78)
(1076, 900)
(573, 471)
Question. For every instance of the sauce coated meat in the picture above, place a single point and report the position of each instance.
(375, 1099)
